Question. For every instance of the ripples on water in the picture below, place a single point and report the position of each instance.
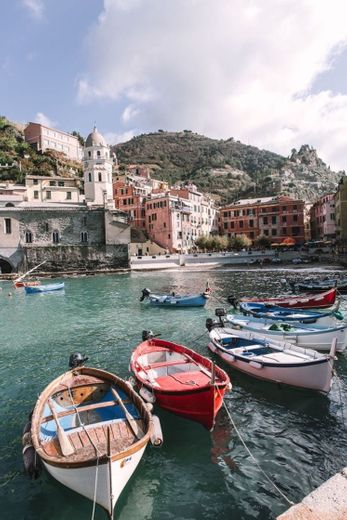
(298, 437)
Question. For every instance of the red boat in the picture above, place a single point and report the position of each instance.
(179, 380)
(25, 284)
(309, 301)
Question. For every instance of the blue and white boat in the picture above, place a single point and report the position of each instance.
(271, 360)
(45, 288)
(317, 337)
(276, 313)
(174, 300)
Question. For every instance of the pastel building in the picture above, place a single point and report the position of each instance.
(341, 212)
(275, 217)
(53, 189)
(323, 223)
(44, 138)
(176, 218)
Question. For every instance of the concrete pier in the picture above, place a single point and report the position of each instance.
(327, 502)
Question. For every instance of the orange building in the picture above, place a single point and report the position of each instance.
(275, 217)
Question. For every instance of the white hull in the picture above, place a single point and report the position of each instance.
(290, 366)
(320, 341)
(108, 485)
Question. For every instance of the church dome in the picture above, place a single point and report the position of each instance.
(95, 139)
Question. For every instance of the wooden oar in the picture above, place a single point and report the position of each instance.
(132, 422)
(65, 444)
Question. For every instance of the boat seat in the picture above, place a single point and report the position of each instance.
(166, 364)
(85, 408)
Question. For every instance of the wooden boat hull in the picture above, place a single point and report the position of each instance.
(112, 475)
(25, 284)
(315, 374)
(277, 313)
(191, 394)
(317, 338)
(323, 300)
(105, 447)
(312, 288)
(44, 288)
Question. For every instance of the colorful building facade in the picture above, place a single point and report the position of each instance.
(274, 217)
(323, 221)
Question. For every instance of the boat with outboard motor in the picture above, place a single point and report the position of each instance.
(174, 300)
(323, 300)
(317, 337)
(89, 428)
(280, 362)
(277, 313)
(179, 379)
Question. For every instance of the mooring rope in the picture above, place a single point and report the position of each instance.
(253, 458)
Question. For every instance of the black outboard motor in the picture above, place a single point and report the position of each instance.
(220, 313)
(147, 334)
(145, 294)
(233, 301)
(210, 323)
(77, 360)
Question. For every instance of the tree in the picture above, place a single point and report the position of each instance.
(201, 242)
(79, 137)
(239, 242)
(262, 242)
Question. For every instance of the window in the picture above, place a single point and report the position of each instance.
(28, 237)
(241, 223)
(8, 226)
(48, 195)
(68, 195)
(84, 221)
(266, 232)
(89, 177)
(251, 224)
(84, 237)
(274, 232)
(284, 219)
(35, 181)
(274, 219)
(265, 220)
(61, 183)
(46, 226)
(55, 237)
(36, 194)
(284, 231)
(295, 218)
(232, 224)
(98, 153)
(99, 177)
(52, 183)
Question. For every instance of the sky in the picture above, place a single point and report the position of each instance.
(270, 73)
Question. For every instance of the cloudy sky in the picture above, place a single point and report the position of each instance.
(271, 73)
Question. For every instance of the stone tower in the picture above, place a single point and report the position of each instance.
(97, 171)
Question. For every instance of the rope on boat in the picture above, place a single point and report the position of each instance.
(255, 460)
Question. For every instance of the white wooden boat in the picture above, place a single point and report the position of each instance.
(90, 429)
(275, 361)
(318, 337)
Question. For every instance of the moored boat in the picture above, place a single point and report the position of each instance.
(278, 313)
(179, 379)
(270, 360)
(317, 337)
(27, 283)
(174, 300)
(313, 285)
(44, 288)
(317, 301)
(90, 429)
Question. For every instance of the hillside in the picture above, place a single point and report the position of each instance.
(227, 168)
(18, 158)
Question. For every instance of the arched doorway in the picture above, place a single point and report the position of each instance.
(5, 267)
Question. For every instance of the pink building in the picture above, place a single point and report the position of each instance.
(43, 138)
(323, 224)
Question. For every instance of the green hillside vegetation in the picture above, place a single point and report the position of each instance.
(18, 158)
(227, 169)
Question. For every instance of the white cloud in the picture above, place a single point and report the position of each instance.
(241, 69)
(35, 7)
(114, 138)
(44, 120)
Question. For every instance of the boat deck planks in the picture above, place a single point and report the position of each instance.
(121, 438)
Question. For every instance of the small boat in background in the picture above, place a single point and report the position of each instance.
(174, 300)
(44, 288)
(89, 428)
(323, 300)
(179, 379)
(275, 361)
(312, 285)
(317, 337)
(277, 313)
(21, 282)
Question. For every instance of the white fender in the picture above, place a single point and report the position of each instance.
(157, 434)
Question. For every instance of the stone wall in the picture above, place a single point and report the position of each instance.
(76, 258)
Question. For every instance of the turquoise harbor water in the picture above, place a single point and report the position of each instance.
(298, 437)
